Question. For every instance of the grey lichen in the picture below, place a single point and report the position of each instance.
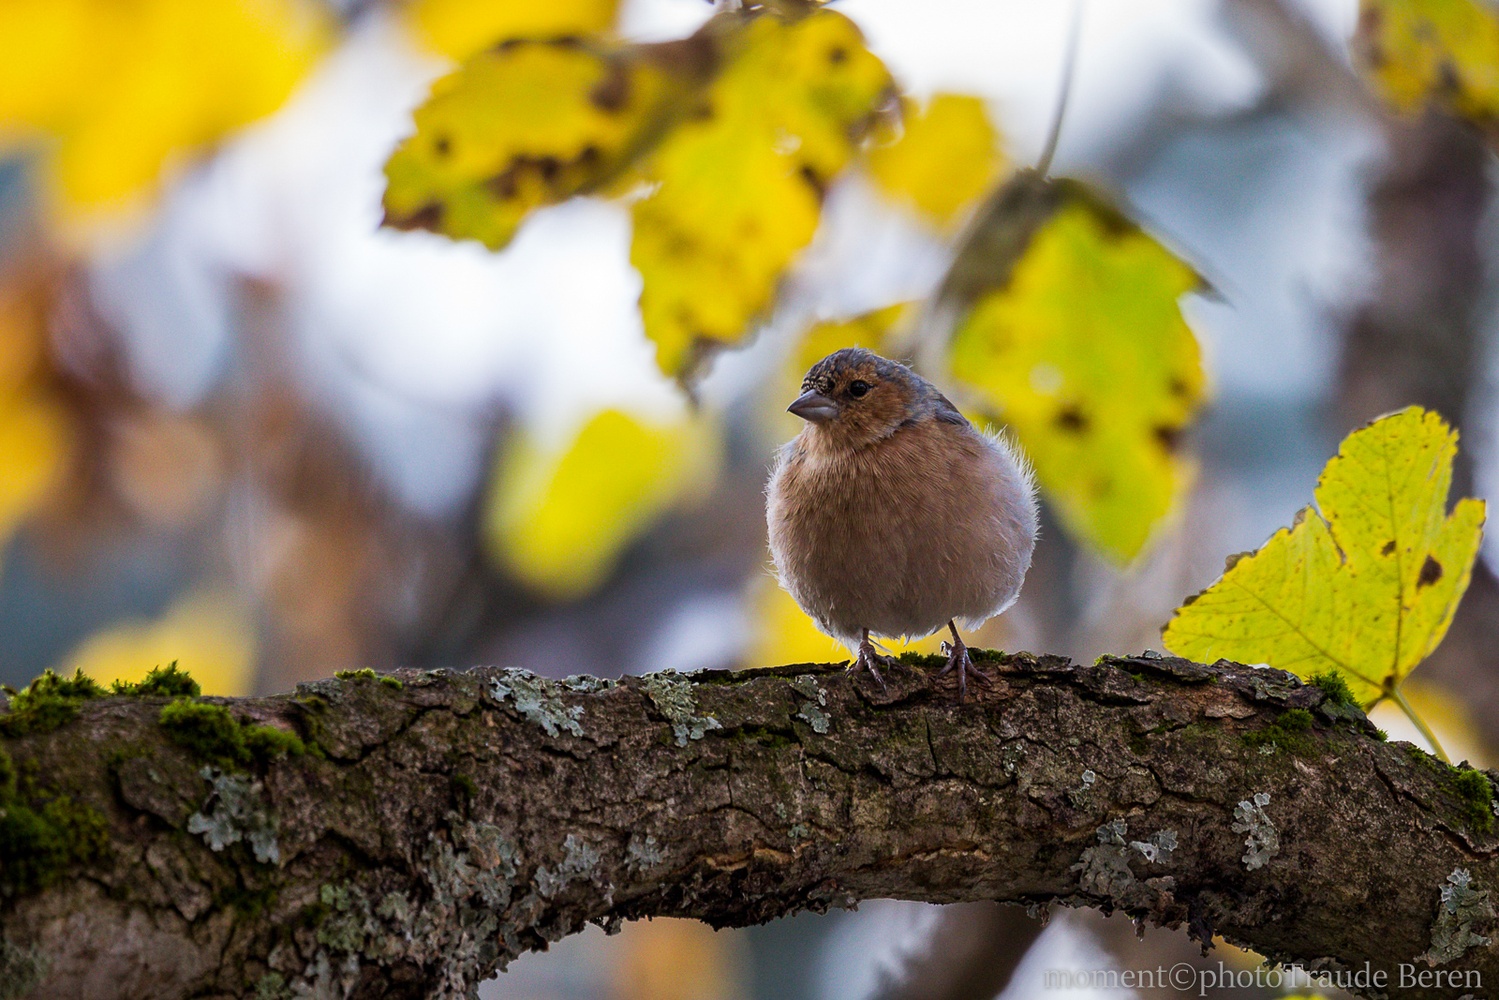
(799, 831)
(236, 810)
(1105, 869)
(674, 699)
(1157, 850)
(579, 859)
(815, 717)
(1460, 908)
(21, 970)
(643, 853)
(1263, 840)
(539, 700)
(272, 986)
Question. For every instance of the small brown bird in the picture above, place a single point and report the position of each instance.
(891, 515)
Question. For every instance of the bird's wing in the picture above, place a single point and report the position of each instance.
(944, 410)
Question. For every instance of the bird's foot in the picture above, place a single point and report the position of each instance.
(958, 658)
(869, 659)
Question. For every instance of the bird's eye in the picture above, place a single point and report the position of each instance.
(857, 388)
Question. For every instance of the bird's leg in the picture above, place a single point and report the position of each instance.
(867, 659)
(957, 656)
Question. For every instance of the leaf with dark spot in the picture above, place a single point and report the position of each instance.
(1431, 572)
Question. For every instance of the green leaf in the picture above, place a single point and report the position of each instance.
(1365, 584)
(1075, 339)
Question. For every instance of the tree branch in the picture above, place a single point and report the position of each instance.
(437, 828)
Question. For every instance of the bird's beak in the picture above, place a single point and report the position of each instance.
(814, 406)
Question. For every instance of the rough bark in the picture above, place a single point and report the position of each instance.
(436, 829)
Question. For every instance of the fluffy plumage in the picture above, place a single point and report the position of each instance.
(891, 514)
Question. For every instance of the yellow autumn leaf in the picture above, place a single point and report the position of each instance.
(558, 520)
(459, 28)
(34, 444)
(1443, 52)
(117, 92)
(739, 184)
(947, 156)
(210, 635)
(1364, 584)
(1084, 353)
(526, 124)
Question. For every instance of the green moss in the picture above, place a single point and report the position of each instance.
(267, 742)
(464, 785)
(391, 682)
(1289, 732)
(354, 675)
(211, 733)
(1335, 688)
(42, 837)
(7, 776)
(47, 702)
(911, 658)
(1381, 735)
(765, 736)
(1478, 798)
(169, 681)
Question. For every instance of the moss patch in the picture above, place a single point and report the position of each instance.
(212, 733)
(355, 675)
(169, 681)
(47, 702)
(1335, 687)
(42, 835)
(911, 658)
(1290, 732)
(1477, 796)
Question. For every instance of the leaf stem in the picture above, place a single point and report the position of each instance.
(1398, 697)
(1069, 63)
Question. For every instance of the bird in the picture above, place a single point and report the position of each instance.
(891, 515)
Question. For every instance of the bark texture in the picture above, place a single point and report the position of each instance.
(439, 827)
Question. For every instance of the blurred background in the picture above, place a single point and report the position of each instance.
(244, 427)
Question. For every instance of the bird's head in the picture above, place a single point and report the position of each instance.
(855, 398)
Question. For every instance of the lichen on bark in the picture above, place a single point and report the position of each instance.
(438, 827)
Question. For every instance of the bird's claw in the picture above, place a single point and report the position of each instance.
(957, 657)
(867, 660)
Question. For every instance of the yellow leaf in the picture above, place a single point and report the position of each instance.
(784, 634)
(459, 28)
(872, 330)
(1085, 354)
(560, 520)
(1444, 52)
(210, 635)
(1366, 587)
(946, 158)
(34, 443)
(526, 124)
(739, 185)
(117, 92)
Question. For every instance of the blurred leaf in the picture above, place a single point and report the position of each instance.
(527, 124)
(210, 635)
(673, 959)
(785, 634)
(740, 182)
(34, 444)
(35, 432)
(558, 520)
(1366, 587)
(1081, 348)
(459, 28)
(1442, 52)
(872, 330)
(120, 90)
(945, 159)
